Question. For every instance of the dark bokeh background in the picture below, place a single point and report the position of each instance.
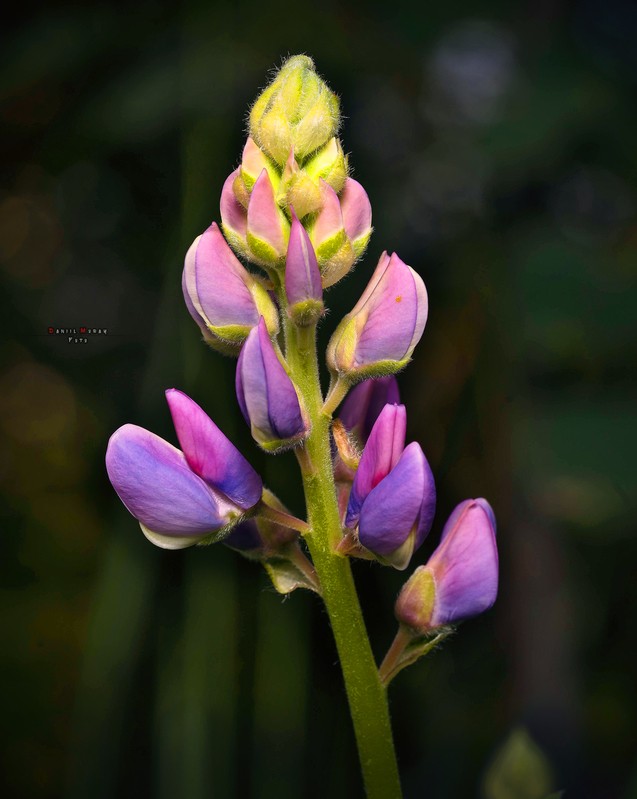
(497, 144)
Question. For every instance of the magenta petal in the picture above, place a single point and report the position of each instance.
(392, 510)
(264, 218)
(365, 402)
(216, 282)
(233, 214)
(356, 209)
(465, 564)
(157, 486)
(302, 275)
(210, 454)
(381, 454)
(266, 395)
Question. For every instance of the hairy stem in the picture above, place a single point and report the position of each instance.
(366, 695)
(281, 517)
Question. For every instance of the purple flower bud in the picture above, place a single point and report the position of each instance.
(365, 402)
(393, 497)
(181, 498)
(267, 397)
(268, 229)
(382, 452)
(223, 298)
(379, 335)
(461, 578)
(302, 277)
(397, 515)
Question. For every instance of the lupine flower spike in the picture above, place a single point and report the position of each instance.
(293, 223)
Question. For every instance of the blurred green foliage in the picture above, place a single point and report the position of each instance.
(519, 771)
(496, 142)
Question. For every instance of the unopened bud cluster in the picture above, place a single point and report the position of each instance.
(293, 166)
(293, 222)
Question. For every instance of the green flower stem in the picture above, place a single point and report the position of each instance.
(366, 695)
(335, 395)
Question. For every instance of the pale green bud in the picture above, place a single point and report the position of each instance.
(328, 164)
(297, 111)
(297, 190)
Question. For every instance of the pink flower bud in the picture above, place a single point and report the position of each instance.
(461, 577)
(267, 229)
(334, 250)
(379, 335)
(223, 298)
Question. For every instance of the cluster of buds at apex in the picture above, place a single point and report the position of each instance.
(188, 496)
(393, 496)
(223, 298)
(379, 335)
(296, 111)
(302, 277)
(293, 161)
(267, 396)
(257, 204)
(460, 579)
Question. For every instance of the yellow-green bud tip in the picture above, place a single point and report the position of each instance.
(296, 111)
